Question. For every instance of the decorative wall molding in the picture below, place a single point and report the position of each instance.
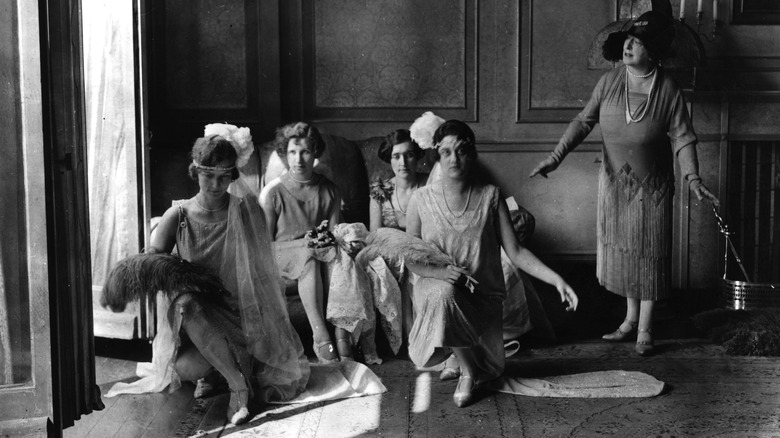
(389, 61)
(756, 12)
(533, 146)
(554, 82)
(208, 57)
(210, 61)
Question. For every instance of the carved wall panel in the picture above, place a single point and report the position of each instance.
(386, 59)
(206, 54)
(555, 36)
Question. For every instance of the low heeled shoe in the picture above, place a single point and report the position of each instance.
(620, 335)
(645, 347)
(464, 392)
(238, 409)
(325, 352)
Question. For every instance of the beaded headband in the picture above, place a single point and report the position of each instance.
(213, 168)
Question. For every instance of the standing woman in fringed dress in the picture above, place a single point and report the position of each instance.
(645, 124)
(459, 307)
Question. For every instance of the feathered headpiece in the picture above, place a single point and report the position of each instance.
(424, 127)
(240, 138)
(144, 275)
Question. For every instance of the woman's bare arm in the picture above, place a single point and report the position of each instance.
(163, 237)
(268, 211)
(374, 215)
(528, 262)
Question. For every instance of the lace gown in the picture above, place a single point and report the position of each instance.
(452, 316)
(389, 279)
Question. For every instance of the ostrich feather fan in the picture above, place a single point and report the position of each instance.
(143, 275)
(396, 245)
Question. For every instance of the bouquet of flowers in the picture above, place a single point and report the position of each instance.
(320, 236)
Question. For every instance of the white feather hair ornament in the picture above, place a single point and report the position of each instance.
(423, 128)
(240, 138)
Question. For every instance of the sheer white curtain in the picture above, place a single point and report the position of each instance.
(111, 137)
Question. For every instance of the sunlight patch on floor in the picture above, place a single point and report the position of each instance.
(422, 393)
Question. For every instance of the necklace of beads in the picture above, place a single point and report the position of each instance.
(465, 207)
(209, 209)
(301, 181)
(629, 117)
(628, 69)
(398, 201)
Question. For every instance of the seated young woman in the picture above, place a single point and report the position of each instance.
(245, 335)
(387, 208)
(389, 198)
(459, 307)
(295, 203)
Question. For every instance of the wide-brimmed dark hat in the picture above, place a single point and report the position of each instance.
(656, 31)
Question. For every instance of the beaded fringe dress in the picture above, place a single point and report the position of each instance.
(636, 181)
(634, 228)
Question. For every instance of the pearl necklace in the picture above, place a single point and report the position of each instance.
(468, 199)
(628, 69)
(398, 201)
(629, 117)
(301, 181)
(209, 209)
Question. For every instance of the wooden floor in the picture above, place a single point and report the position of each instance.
(146, 415)
(708, 394)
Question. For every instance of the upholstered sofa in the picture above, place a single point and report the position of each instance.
(352, 165)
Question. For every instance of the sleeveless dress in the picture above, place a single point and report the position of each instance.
(382, 192)
(453, 316)
(348, 305)
(253, 317)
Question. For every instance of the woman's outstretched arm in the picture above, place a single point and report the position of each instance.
(524, 259)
